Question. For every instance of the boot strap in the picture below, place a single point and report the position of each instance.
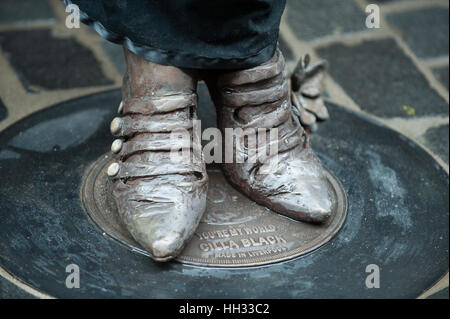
(129, 126)
(164, 104)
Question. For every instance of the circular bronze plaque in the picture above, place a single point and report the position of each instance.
(234, 232)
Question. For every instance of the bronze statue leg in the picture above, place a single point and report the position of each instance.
(160, 201)
(293, 183)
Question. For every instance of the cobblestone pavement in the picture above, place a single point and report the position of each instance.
(397, 74)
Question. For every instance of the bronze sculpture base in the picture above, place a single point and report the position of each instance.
(234, 232)
(44, 227)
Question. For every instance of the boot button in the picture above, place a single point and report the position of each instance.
(113, 169)
(116, 125)
(116, 146)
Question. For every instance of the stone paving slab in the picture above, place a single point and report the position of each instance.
(442, 75)
(382, 80)
(425, 31)
(115, 54)
(443, 294)
(286, 49)
(56, 63)
(320, 18)
(25, 11)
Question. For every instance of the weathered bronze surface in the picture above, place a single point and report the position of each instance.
(160, 202)
(234, 232)
(259, 98)
(308, 85)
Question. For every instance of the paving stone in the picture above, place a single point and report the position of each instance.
(286, 49)
(382, 80)
(115, 54)
(56, 63)
(443, 294)
(25, 11)
(436, 139)
(442, 75)
(319, 18)
(3, 111)
(426, 31)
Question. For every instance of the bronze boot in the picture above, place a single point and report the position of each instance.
(160, 201)
(292, 183)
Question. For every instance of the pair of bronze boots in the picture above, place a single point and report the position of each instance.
(162, 202)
